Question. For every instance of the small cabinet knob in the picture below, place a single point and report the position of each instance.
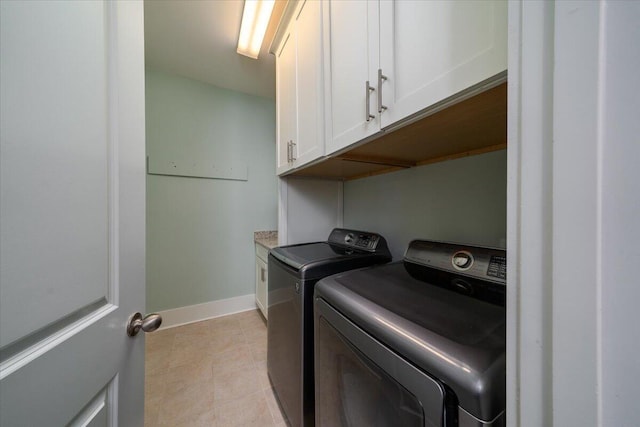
(149, 323)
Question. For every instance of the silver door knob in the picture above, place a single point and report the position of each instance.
(150, 323)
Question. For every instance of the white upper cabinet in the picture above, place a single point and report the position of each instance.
(299, 89)
(310, 99)
(413, 54)
(351, 52)
(431, 50)
(286, 101)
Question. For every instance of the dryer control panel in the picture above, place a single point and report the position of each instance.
(473, 261)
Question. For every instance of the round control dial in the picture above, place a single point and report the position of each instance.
(462, 260)
(349, 238)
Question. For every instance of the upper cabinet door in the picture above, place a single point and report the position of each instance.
(286, 101)
(352, 51)
(431, 50)
(310, 106)
(300, 89)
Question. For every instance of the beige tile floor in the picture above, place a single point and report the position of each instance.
(210, 373)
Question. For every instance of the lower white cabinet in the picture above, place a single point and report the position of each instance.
(261, 278)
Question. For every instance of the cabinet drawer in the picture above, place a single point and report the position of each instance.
(262, 252)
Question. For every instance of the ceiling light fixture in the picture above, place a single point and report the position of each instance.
(255, 19)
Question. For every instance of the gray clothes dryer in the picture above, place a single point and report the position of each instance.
(294, 270)
(419, 342)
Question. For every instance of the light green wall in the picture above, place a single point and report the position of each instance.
(463, 200)
(200, 231)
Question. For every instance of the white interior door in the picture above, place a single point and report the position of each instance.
(72, 194)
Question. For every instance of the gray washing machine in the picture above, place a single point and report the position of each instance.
(294, 270)
(420, 342)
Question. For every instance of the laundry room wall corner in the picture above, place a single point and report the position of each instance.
(200, 247)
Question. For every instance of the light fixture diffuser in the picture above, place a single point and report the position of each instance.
(255, 19)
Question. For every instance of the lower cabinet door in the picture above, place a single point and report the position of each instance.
(261, 286)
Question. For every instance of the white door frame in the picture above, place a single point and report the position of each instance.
(573, 208)
(529, 200)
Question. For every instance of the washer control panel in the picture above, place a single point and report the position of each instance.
(357, 239)
(473, 261)
(363, 241)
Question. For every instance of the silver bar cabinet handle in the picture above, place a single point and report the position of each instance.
(293, 157)
(381, 78)
(369, 89)
(288, 151)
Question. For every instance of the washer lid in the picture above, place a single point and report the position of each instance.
(456, 338)
(298, 256)
(342, 244)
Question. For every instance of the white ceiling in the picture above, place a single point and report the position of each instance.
(198, 39)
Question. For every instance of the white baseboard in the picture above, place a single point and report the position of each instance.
(208, 310)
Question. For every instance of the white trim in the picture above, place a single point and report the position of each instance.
(50, 342)
(600, 139)
(113, 155)
(283, 233)
(99, 404)
(577, 42)
(513, 214)
(286, 17)
(340, 206)
(208, 310)
(113, 401)
(529, 214)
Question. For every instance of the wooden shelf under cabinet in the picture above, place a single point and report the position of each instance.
(473, 126)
